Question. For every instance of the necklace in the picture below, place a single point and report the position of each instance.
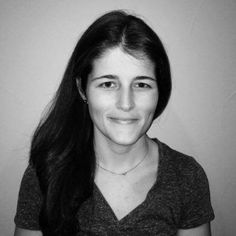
(127, 171)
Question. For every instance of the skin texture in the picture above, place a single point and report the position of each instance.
(122, 95)
(25, 232)
(202, 230)
(121, 86)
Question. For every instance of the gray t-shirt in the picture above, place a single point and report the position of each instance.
(179, 199)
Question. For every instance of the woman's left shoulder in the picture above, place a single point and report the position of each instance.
(188, 182)
(182, 164)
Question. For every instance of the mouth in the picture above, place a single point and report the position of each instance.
(123, 121)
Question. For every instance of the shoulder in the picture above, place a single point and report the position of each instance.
(189, 179)
(29, 201)
(30, 175)
(182, 169)
(30, 184)
(179, 163)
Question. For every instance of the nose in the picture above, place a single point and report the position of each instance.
(125, 99)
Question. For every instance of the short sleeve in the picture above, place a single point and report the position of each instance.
(29, 201)
(196, 204)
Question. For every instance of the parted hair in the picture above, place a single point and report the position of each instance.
(62, 150)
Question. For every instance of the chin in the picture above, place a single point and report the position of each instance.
(124, 140)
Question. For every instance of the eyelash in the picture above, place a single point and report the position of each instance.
(103, 85)
(144, 85)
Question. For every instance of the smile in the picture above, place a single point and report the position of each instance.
(123, 121)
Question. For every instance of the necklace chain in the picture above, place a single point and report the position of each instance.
(125, 172)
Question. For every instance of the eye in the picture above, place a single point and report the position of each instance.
(108, 84)
(142, 85)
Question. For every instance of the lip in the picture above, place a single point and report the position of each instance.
(123, 121)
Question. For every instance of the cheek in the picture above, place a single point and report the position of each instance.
(97, 104)
(95, 108)
(148, 104)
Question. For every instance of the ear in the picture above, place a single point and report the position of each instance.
(81, 92)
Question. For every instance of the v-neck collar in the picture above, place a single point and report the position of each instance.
(143, 205)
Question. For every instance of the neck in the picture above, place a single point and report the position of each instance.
(120, 157)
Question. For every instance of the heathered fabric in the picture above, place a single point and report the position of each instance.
(179, 198)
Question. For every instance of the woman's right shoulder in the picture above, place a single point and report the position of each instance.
(30, 182)
(30, 172)
(29, 202)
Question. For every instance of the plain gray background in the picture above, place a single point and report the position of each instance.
(36, 40)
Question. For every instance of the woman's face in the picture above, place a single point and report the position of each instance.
(122, 96)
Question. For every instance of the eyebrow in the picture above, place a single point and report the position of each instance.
(114, 77)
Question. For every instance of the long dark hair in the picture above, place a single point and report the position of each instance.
(62, 150)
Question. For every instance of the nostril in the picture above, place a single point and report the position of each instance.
(125, 101)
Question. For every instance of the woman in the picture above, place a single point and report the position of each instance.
(93, 170)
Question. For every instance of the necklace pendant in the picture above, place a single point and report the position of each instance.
(126, 172)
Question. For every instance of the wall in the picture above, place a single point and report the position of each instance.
(36, 40)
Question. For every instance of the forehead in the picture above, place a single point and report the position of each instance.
(117, 61)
